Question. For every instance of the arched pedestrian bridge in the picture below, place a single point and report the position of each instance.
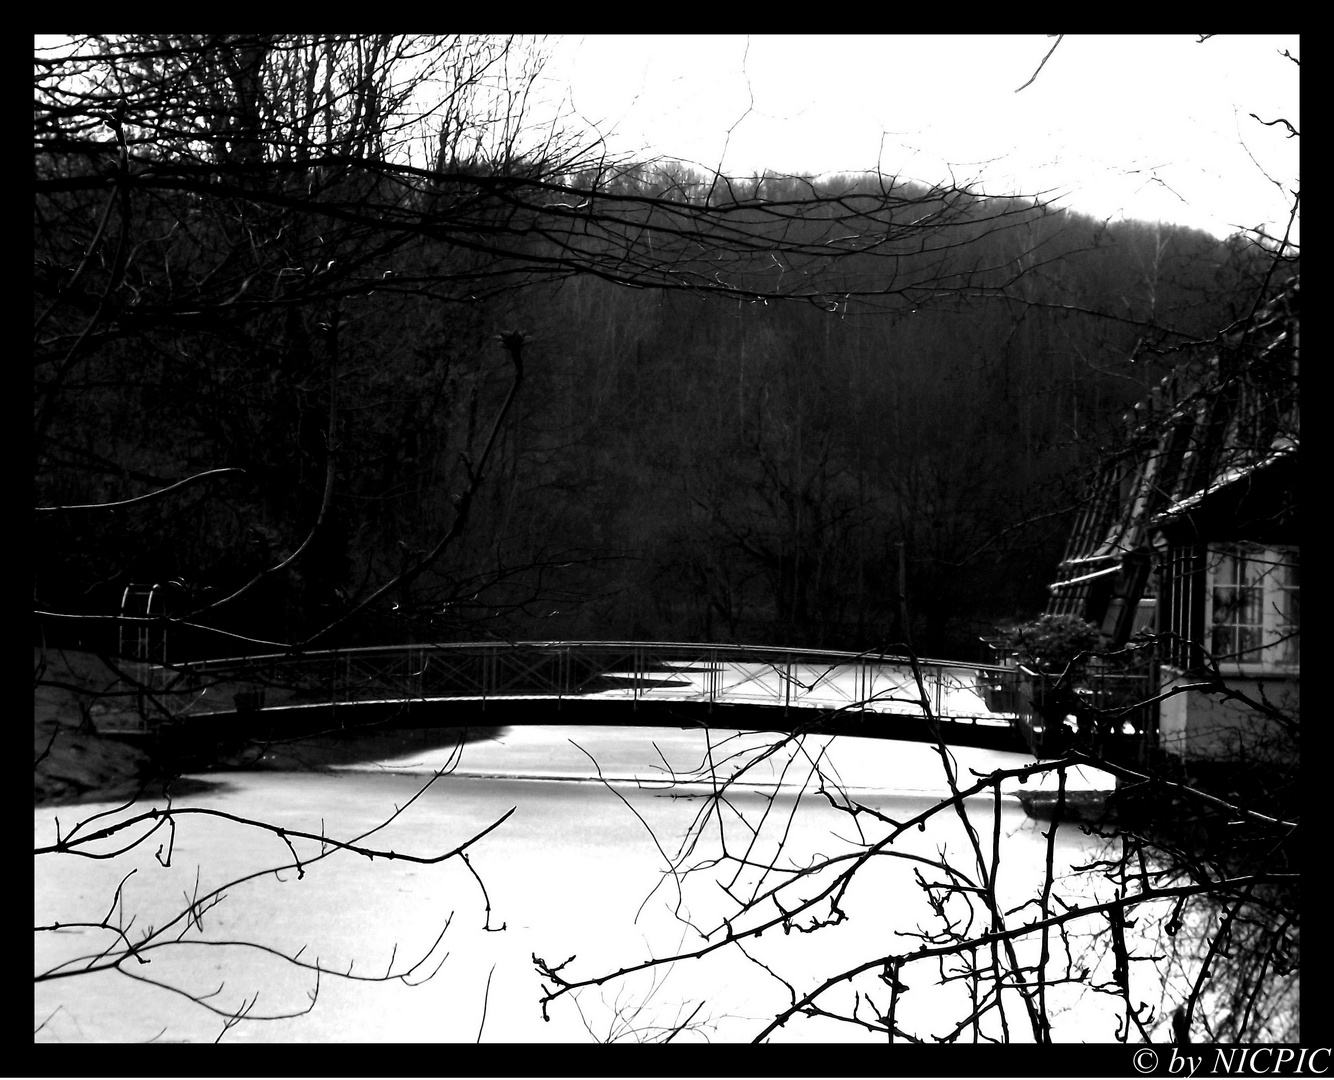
(725, 686)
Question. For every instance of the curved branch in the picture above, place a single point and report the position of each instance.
(160, 817)
(1033, 78)
(139, 498)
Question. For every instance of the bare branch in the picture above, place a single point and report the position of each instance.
(1043, 64)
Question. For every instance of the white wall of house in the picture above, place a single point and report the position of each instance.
(1197, 726)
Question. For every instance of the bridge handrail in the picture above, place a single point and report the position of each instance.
(488, 670)
(663, 648)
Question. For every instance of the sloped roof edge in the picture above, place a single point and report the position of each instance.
(1223, 481)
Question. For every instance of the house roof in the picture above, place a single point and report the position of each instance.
(1225, 480)
(1227, 415)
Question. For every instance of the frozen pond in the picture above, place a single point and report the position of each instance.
(577, 870)
(865, 685)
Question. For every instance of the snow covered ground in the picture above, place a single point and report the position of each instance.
(663, 757)
(578, 869)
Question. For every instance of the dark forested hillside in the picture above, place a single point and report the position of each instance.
(756, 472)
(744, 411)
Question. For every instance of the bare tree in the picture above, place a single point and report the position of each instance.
(139, 938)
(258, 269)
(1182, 912)
(988, 953)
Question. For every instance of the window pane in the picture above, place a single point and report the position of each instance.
(1249, 640)
(1290, 610)
(1254, 601)
(1250, 607)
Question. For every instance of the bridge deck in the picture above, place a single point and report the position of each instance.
(637, 673)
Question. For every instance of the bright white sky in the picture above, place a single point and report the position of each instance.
(1155, 127)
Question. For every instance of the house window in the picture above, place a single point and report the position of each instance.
(1254, 615)
(1181, 589)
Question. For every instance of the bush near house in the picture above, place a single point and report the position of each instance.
(1051, 643)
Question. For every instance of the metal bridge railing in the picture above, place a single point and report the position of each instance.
(634, 671)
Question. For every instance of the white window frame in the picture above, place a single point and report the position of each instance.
(1279, 652)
